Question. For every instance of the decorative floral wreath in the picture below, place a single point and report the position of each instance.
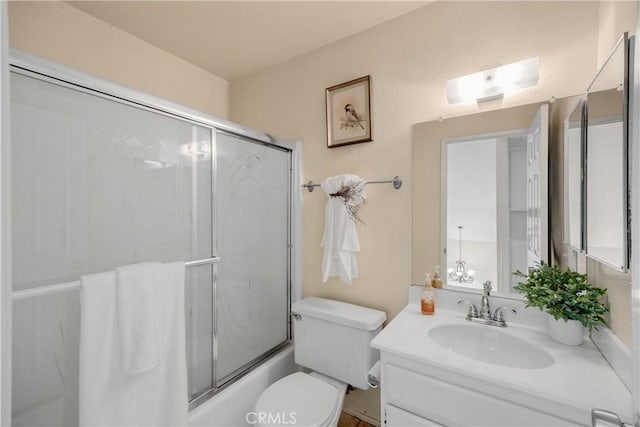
(352, 195)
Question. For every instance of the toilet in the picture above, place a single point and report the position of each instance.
(331, 338)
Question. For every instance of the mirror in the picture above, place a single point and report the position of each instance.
(449, 177)
(573, 183)
(606, 162)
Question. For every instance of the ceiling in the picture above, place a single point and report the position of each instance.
(235, 38)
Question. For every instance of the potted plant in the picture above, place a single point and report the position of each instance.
(571, 302)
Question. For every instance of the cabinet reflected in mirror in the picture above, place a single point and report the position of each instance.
(606, 162)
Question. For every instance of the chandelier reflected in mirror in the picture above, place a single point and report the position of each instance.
(460, 273)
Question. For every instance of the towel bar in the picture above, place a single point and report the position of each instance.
(396, 181)
(68, 286)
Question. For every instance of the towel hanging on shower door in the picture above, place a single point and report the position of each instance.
(122, 383)
(340, 239)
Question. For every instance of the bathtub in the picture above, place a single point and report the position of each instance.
(230, 406)
(45, 389)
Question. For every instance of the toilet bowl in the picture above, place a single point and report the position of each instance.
(332, 338)
(302, 399)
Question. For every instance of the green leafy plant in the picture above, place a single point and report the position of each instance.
(564, 294)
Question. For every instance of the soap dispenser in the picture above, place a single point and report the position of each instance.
(436, 281)
(428, 300)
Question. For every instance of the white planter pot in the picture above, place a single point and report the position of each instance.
(568, 332)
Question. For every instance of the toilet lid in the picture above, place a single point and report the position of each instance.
(309, 400)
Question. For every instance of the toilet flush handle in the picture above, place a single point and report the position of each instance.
(296, 316)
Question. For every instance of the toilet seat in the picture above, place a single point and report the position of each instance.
(300, 399)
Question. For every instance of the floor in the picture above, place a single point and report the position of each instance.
(347, 420)
(364, 405)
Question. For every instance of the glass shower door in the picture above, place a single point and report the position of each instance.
(252, 237)
(99, 183)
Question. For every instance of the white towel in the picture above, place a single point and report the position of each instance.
(138, 317)
(340, 239)
(108, 395)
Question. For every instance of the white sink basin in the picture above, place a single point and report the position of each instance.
(491, 345)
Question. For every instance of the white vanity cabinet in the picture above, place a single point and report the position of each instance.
(412, 398)
(427, 383)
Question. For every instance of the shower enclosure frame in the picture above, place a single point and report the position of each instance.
(23, 63)
(5, 226)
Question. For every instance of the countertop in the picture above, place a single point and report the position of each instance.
(580, 377)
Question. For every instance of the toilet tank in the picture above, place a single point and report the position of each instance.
(333, 338)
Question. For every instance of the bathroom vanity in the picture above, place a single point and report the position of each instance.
(444, 370)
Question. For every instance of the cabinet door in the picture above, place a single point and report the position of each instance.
(399, 417)
(438, 400)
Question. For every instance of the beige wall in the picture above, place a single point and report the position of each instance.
(409, 60)
(614, 18)
(618, 285)
(62, 33)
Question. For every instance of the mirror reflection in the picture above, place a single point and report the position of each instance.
(606, 164)
(573, 163)
(484, 183)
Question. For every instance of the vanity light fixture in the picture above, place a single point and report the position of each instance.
(494, 83)
(460, 273)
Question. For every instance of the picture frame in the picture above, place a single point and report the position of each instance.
(349, 112)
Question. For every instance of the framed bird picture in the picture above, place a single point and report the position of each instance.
(349, 112)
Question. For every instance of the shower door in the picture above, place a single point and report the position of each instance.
(99, 181)
(252, 236)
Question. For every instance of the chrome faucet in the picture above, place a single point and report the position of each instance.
(485, 310)
(484, 315)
